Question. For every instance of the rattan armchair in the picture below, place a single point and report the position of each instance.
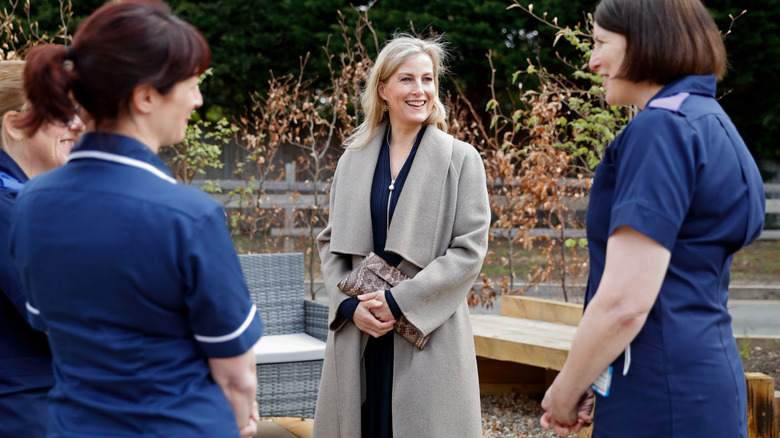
(289, 362)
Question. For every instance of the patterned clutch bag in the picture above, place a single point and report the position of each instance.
(373, 274)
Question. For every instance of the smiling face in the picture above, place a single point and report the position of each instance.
(409, 93)
(175, 110)
(607, 57)
(609, 49)
(50, 145)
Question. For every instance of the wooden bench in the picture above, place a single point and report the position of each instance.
(524, 347)
(531, 331)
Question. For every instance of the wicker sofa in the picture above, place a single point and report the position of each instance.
(289, 355)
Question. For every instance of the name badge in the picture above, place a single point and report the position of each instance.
(603, 382)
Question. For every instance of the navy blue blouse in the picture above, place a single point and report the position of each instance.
(137, 281)
(680, 174)
(25, 360)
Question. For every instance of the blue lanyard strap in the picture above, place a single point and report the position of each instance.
(9, 182)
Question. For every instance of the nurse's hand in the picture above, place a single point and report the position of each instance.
(563, 424)
(250, 430)
(367, 322)
(382, 313)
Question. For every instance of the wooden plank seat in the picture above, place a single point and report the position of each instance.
(537, 343)
(530, 331)
(523, 348)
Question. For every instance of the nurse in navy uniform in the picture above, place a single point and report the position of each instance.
(676, 195)
(134, 277)
(25, 360)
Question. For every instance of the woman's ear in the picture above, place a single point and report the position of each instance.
(380, 89)
(10, 120)
(144, 98)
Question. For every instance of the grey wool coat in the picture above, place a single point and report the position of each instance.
(440, 229)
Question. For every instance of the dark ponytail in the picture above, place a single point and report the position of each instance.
(48, 80)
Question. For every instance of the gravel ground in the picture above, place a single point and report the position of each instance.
(512, 415)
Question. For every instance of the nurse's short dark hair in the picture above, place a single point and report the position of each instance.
(665, 39)
(119, 46)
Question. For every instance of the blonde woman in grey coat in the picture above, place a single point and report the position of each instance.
(416, 196)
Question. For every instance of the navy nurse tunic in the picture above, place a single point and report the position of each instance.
(137, 282)
(680, 174)
(25, 360)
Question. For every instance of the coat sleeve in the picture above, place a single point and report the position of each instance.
(436, 292)
(334, 267)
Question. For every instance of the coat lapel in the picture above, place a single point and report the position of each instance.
(414, 226)
(413, 229)
(350, 216)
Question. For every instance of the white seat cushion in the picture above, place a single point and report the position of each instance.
(296, 347)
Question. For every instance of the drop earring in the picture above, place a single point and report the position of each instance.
(385, 107)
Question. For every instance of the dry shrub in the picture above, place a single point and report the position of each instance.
(19, 32)
(313, 117)
(540, 148)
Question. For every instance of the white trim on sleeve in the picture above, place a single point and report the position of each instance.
(32, 309)
(229, 337)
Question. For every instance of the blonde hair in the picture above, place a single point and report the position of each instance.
(12, 97)
(392, 55)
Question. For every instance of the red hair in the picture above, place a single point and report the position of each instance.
(118, 47)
